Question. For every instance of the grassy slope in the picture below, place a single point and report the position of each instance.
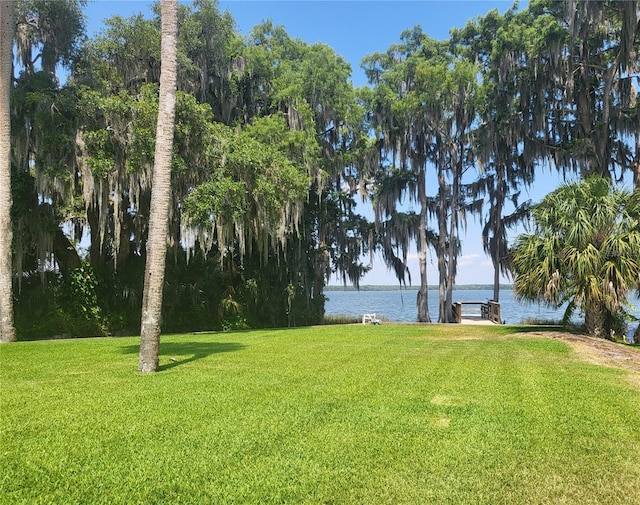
(389, 414)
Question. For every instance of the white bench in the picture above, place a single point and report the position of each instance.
(370, 319)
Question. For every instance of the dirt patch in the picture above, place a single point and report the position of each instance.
(446, 401)
(442, 422)
(602, 352)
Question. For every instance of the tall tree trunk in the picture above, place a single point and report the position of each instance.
(595, 315)
(442, 248)
(498, 237)
(496, 279)
(160, 193)
(453, 237)
(423, 293)
(7, 329)
(636, 164)
(66, 254)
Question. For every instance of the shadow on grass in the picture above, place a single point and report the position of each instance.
(530, 328)
(180, 353)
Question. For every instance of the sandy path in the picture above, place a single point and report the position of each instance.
(602, 352)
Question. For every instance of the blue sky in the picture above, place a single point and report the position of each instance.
(355, 29)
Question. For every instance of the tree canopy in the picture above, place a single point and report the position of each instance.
(275, 152)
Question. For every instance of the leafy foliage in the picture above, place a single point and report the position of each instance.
(584, 249)
(274, 148)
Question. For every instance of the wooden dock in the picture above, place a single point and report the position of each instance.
(477, 312)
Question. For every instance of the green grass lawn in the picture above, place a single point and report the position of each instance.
(341, 414)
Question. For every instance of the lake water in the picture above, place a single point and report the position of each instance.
(400, 306)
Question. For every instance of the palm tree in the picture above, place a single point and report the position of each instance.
(584, 251)
(7, 330)
(160, 193)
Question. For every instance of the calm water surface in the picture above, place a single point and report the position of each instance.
(400, 306)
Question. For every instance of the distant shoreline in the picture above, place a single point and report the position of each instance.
(396, 287)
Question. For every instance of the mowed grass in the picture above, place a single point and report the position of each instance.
(390, 414)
